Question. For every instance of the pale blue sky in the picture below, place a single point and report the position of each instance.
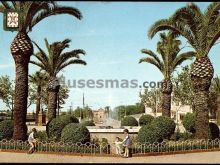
(112, 34)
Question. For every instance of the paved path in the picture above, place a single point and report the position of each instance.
(206, 157)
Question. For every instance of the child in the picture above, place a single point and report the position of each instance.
(118, 144)
(32, 141)
(126, 143)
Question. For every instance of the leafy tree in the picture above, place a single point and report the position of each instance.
(182, 88)
(214, 99)
(202, 30)
(123, 111)
(32, 12)
(151, 98)
(167, 61)
(7, 93)
(52, 63)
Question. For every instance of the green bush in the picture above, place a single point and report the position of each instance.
(75, 133)
(182, 136)
(214, 131)
(55, 126)
(164, 126)
(147, 133)
(88, 123)
(42, 136)
(6, 129)
(159, 129)
(189, 122)
(129, 121)
(145, 120)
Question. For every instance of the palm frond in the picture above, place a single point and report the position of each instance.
(75, 61)
(39, 65)
(182, 57)
(55, 11)
(42, 53)
(68, 55)
(152, 54)
(6, 5)
(152, 61)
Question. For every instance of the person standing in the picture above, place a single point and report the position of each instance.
(126, 143)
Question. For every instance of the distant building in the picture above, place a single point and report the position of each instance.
(177, 112)
(100, 115)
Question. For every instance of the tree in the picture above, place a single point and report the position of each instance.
(182, 88)
(39, 79)
(52, 63)
(32, 12)
(151, 98)
(7, 93)
(214, 99)
(202, 30)
(169, 49)
(123, 111)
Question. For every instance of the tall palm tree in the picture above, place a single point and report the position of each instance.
(53, 62)
(32, 12)
(169, 51)
(202, 30)
(40, 80)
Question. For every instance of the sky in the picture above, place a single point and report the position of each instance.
(112, 34)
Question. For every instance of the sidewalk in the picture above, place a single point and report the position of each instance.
(206, 157)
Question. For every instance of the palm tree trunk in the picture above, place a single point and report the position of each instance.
(53, 89)
(218, 110)
(201, 75)
(37, 110)
(21, 49)
(52, 105)
(166, 98)
(38, 103)
(20, 108)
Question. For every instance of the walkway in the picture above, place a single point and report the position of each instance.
(206, 157)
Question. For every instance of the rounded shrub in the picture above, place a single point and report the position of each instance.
(41, 136)
(88, 123)
(164, 127)
(145, 120)
(213, 131)
(75, 133)
(148, 134)
(189, 122)
(129, 121)
(55, 126)
(6, 129)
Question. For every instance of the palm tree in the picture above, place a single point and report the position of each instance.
(40, 80)
(202, 30)
(169, 50)
(53, 63)
(32, 12)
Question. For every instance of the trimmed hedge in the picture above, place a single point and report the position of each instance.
(129, 121)
(55, 126)
(145, 120)
(147, 133)
(88, 123)
(159, 129)
(165, 126)
(6, 129)
(189, 122)
(75, 133)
